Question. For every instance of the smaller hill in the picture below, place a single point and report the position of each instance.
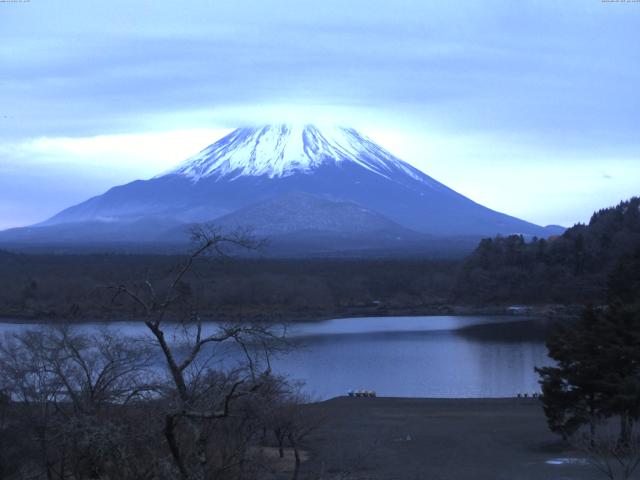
(298, 211)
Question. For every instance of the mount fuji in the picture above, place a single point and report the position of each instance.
(286, 182)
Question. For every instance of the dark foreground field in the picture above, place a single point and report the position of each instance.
(433, 439)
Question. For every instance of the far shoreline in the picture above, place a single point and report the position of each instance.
(546, 311)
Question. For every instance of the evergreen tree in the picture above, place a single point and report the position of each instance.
(620, 326)
(571, 390)
(597, 372)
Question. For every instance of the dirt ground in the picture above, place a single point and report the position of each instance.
(437, 439)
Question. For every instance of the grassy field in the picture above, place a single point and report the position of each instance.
(437, 439)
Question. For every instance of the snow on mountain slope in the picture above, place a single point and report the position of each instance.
(284, 150)
(284, 178)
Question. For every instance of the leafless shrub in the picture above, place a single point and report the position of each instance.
(603, 449)
(63, 388)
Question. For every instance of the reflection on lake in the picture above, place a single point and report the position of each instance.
(442, 356)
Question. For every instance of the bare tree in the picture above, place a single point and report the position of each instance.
(603, 449)
(285, 417)
(63, 387)
(5, 441)
(188, 400)
(197, 394)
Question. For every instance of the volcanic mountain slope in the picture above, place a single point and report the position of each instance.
(303, 212)
(337, 171)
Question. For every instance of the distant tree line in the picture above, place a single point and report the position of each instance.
(71, 287)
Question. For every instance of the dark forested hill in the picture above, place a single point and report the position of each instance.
(573, 267)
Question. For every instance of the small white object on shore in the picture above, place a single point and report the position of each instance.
(362, 393)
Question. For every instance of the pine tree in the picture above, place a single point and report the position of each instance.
(597, 372)
(572, 390)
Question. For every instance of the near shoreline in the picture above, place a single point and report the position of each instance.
(432, 439)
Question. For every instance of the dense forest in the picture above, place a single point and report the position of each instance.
(75, 287)
(569, 269)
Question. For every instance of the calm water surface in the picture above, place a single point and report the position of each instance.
(442, 356)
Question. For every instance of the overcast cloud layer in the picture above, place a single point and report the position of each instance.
(531, 108)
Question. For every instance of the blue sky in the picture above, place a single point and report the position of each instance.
(528, 107)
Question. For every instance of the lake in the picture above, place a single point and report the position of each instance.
(435, 356)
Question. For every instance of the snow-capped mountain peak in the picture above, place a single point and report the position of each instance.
(282, 150)
(301, 179)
